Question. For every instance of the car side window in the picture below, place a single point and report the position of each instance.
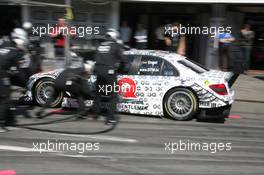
(169, 70)
(150, 65)
(133, 62)
(130, 58)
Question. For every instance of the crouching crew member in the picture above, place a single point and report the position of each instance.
(74, 81)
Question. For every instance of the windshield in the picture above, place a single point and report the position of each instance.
(196, 67)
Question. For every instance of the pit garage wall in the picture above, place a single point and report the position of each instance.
(104, 15)
(107, 15)
(209, 53)
(203, 48)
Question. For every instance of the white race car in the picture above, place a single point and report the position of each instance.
(159, 83)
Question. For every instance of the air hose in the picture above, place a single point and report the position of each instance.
(29, 126)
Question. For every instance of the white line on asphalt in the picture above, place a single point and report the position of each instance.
(100, 137)
(11, 128)
(84, 156)
(3, 130)
(21, 149)
(26, 149)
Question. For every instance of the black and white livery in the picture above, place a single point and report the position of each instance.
(158, 83)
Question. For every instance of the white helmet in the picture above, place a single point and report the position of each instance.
(112, 33)
(27, 25)
(20, 37)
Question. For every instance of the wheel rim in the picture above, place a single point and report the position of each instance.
(46, 91)
(180, 104)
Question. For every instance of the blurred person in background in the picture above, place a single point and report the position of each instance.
(125, 32)
(177, 41)
(225, 42)
(141, 37)
(246, 42)
(160, 39)
(11, 56)
(59, 37)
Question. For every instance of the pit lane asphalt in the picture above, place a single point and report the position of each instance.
(136, 146)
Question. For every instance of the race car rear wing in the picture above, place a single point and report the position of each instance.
(232, 80)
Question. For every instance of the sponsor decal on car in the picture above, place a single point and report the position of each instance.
(127, 88)
(125, 106)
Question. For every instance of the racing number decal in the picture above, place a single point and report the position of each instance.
(127, 88)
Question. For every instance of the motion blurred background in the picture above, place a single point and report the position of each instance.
(150, 13)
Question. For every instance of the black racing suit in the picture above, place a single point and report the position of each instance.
(31, 64)
(35, 55)
(74, 80)
(9, 61)
(108, 59)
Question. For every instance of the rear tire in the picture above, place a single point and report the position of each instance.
(44, 90)
(180, 104)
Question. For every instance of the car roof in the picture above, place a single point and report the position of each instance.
(169, 56)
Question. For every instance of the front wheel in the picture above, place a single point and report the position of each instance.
(180, 104)
(44, 91)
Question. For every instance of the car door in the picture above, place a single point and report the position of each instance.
(140, 89)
